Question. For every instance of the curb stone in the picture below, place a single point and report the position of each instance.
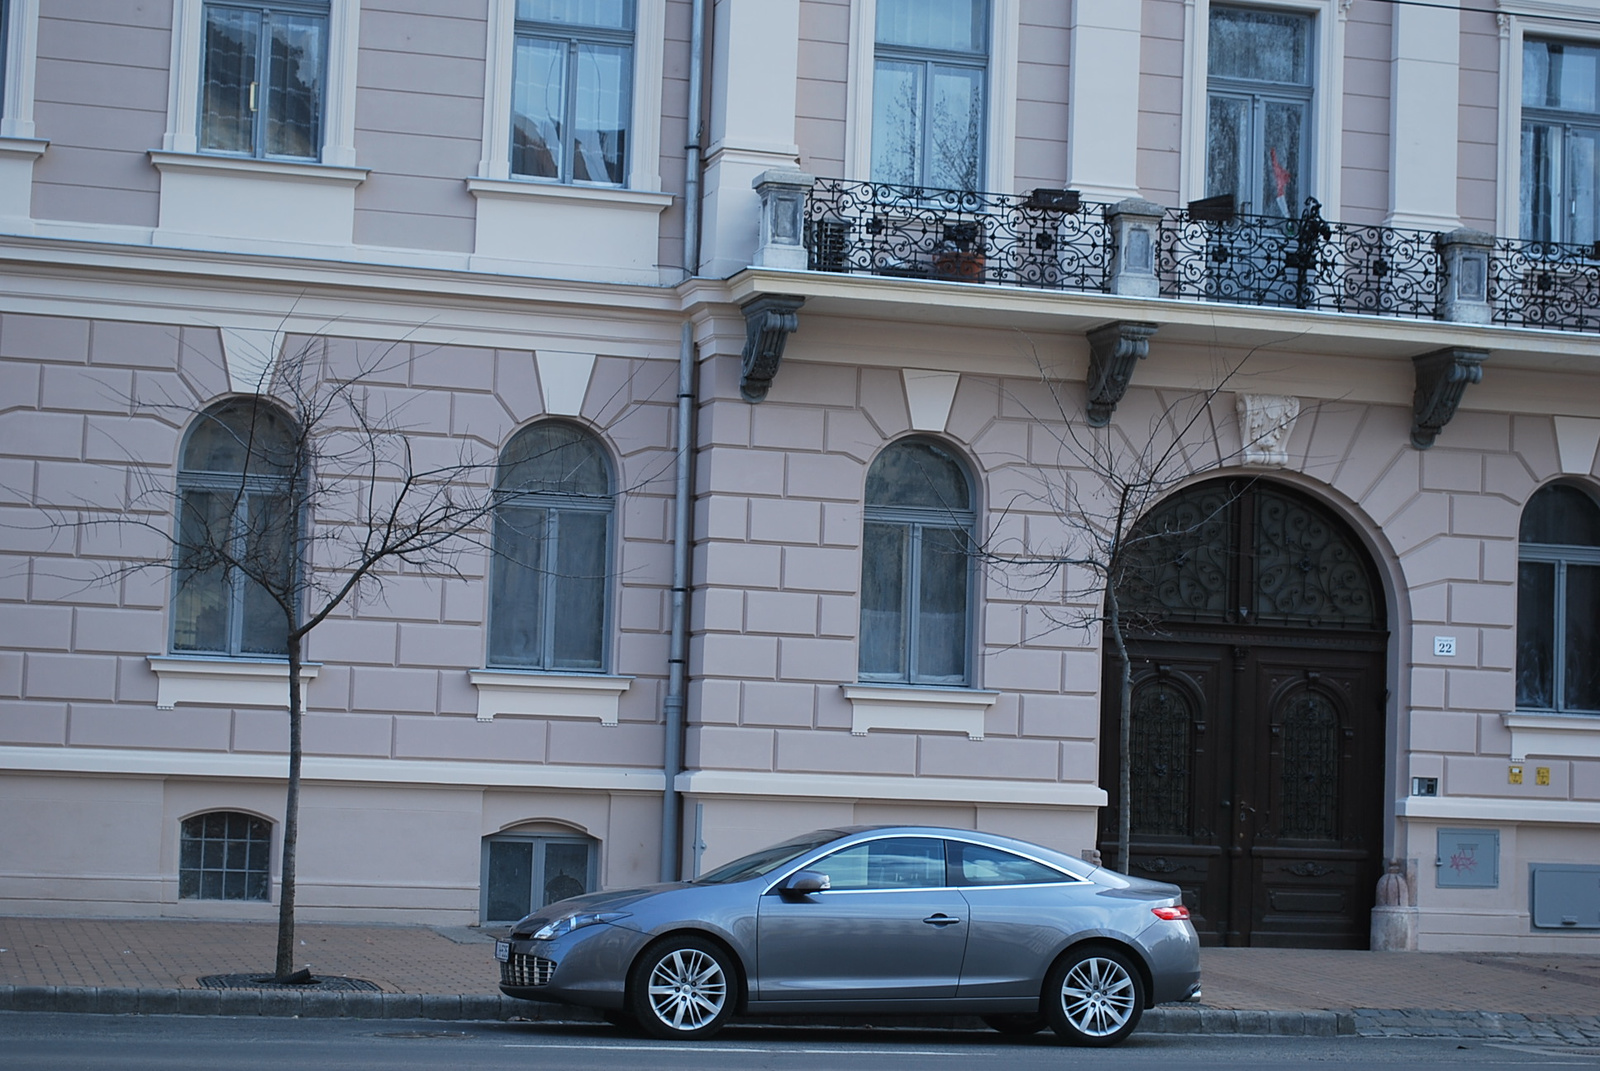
(480, 1007)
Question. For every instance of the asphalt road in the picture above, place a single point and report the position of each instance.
(40, 1042)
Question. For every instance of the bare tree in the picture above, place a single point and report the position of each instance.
(1102, 491)
(295, 501)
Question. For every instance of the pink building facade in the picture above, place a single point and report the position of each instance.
(943, 273)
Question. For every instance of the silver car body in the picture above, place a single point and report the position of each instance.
(975, 950)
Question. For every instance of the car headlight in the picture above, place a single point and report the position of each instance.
(567, 923)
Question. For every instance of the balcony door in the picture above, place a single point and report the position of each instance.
(1258, 717)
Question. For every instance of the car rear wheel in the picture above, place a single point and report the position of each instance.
(1017, 1025)
(682, 988)
(1093, 996)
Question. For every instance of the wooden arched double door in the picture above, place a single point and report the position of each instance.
(1257, 641)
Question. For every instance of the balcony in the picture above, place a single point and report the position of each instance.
(1051, 240)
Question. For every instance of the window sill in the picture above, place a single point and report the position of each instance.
(290, 170)
(1563, 735)
(225, 682)
(917, 709)
(601, 233)
(531, 693)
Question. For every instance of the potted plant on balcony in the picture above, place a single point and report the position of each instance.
(960, 255)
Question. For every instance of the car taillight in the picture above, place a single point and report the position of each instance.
(1171, 914)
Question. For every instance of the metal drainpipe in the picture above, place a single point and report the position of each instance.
(678, 654)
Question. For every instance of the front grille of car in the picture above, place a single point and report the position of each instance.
(523, 969)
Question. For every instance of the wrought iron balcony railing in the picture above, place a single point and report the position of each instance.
(1052, 240)
(1036, 240)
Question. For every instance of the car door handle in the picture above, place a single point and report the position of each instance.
(941, 919)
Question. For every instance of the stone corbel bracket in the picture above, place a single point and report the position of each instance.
(1113, 351)
(1442, 377)
(768, 323)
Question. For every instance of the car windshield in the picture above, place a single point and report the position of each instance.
(757, 864)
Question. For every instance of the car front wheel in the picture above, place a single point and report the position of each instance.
(1093, 997)
(682, 988)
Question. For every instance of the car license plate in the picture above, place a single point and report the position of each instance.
(502, 951)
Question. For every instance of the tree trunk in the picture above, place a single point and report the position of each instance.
(1119, 646)
(284, 965)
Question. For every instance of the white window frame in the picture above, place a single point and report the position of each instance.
(499, 681)
(916, 519)
(339, 102)
(1545, 17)
(644, 132)
(21, 62)
(1321, 176)
(1000, 122)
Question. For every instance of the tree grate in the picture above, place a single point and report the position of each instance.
(319, 984)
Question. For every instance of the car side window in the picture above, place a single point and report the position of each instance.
(891, 863)
(977, 864)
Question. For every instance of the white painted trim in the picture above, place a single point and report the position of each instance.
(1481, 809)
(1577, 441)
(929, 396)
(751, 783)
(339, 90)
(644, 133)
(564, 380)
(224, 682)
(208, 201)
(1508, 152)
(923, 710)
(576, 232)
(548, 695)
(22, 60)
(17, 157)
(1327, 98)
(1103, 99)
(1000, 159)
(1424, 93)
(449, 773)
(277, 170)
(557, 193)
(1567, 736)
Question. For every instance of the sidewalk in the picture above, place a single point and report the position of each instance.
(153, 966)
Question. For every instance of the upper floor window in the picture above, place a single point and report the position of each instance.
(916, 567)
(1258, 108)
(1558, 602)
(261, 86)
(572, 90)
(234, 506)
(552, 536)
(929, 89)
(1560, 141)
(224, 855)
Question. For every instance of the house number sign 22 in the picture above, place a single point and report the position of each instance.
(1444, 646)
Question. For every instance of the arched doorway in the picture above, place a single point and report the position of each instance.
(1257, 636)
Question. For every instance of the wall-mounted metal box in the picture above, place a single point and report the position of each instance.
(1565, 896)
(1469, 859)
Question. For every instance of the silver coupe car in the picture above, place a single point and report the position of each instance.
(879, 920)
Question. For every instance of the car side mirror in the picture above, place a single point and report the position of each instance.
(804, 883)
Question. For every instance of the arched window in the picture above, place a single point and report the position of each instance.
(1558, 602)
(224, 855)
(916, 567)
(234, 509)
(552, 536)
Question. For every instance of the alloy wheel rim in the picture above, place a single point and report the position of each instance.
(687, 989)
(1097, 996)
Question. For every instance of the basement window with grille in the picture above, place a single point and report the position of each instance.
(224, 855)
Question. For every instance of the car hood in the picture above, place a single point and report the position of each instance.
(613, 900)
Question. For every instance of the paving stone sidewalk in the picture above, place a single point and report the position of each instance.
(153, 966)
